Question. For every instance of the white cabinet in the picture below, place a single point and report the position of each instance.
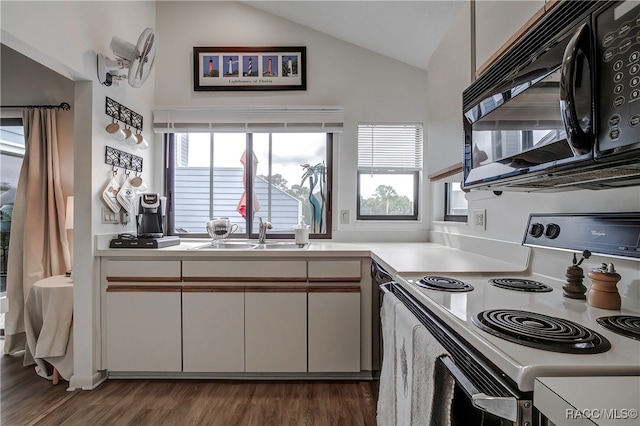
(498, 23)
(266, 324)
(236, 316)
(212, 328)
(334, 316)
(276, 329)
(142, 321)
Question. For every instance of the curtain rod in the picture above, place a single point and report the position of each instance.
(64, 106)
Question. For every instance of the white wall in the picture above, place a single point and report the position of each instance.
(369, 86)
(65, 37)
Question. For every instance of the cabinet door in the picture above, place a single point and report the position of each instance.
(499, 23)
(334, 328)
(276, 329)
(212, 329)
(143, 328)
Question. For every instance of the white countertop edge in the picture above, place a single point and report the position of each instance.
(611, 401)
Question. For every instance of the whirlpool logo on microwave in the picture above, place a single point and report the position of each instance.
(598, 234)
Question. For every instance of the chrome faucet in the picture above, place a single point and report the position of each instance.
(262, 230)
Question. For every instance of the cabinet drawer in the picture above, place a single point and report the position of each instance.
(334, 270)
(244, 271)
(143, 271)
(142, 332)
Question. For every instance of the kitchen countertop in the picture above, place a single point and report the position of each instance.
(601, 401)
(394, 257)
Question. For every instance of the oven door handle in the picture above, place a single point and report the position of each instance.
(503, 407)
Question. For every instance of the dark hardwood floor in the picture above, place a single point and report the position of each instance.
(28, 399)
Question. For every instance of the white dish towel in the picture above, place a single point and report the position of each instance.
(432, 384)
(412, 390)
(387, 392)
(406, 325)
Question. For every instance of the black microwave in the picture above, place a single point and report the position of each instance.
(560, 109)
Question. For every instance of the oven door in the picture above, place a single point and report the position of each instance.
(482, 396)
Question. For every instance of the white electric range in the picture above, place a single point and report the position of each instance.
(496, 366)
(523, 363)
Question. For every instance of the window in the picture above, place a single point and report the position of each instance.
(247, 176)
(389, 167)
(11, 155)
(455, 203)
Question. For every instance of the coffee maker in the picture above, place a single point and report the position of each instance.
(150, 225)
(150, 217)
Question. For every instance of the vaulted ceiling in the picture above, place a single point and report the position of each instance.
(408, 31)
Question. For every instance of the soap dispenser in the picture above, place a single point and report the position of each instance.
(603, 292)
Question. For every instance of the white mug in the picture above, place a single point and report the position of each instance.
(114, 130)
(130, 137)
(138, 183)
(141, 142)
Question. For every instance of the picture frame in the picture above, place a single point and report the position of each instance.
(249, 68)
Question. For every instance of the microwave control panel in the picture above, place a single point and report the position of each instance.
(617, 53)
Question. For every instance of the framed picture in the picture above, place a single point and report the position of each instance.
(249, 68)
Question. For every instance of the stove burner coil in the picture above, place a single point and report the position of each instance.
(541, 331)
(444, 284)
(520, 284)
(625, 325)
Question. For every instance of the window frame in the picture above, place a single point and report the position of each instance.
(169, 185)
(416, 181)
(447, 199)
(415, 170)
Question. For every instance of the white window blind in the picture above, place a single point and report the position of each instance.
(394, 147)
(279, 119)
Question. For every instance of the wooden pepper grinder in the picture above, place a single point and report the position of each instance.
(603, 292)
(574, 289)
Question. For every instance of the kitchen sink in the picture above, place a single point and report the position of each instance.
(251, 245)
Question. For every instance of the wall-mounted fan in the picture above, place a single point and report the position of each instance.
(138, 59)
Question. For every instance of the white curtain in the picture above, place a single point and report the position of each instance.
(38, 246)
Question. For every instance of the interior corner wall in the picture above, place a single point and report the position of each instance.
(65, 36)
(370, 87)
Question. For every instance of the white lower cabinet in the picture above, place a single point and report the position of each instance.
(141, 324)
(143, 329)
(212, 329)
(236, 316)
(334, 328)
(276, 330)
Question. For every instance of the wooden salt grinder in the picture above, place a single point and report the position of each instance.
(603, 292)
(574, 289)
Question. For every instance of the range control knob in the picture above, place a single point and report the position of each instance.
(552, 231)
(536, 230)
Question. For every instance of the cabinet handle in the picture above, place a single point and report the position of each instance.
(213, 289)
(334, 279)
(144, 288)
(244, 279)
(334, 289)
(276, 289)
(145, 279)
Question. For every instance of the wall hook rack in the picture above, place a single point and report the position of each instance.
(116, 158)
(121, 113)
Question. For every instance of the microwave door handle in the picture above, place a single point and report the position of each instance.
(503, 407)
(579, 140)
